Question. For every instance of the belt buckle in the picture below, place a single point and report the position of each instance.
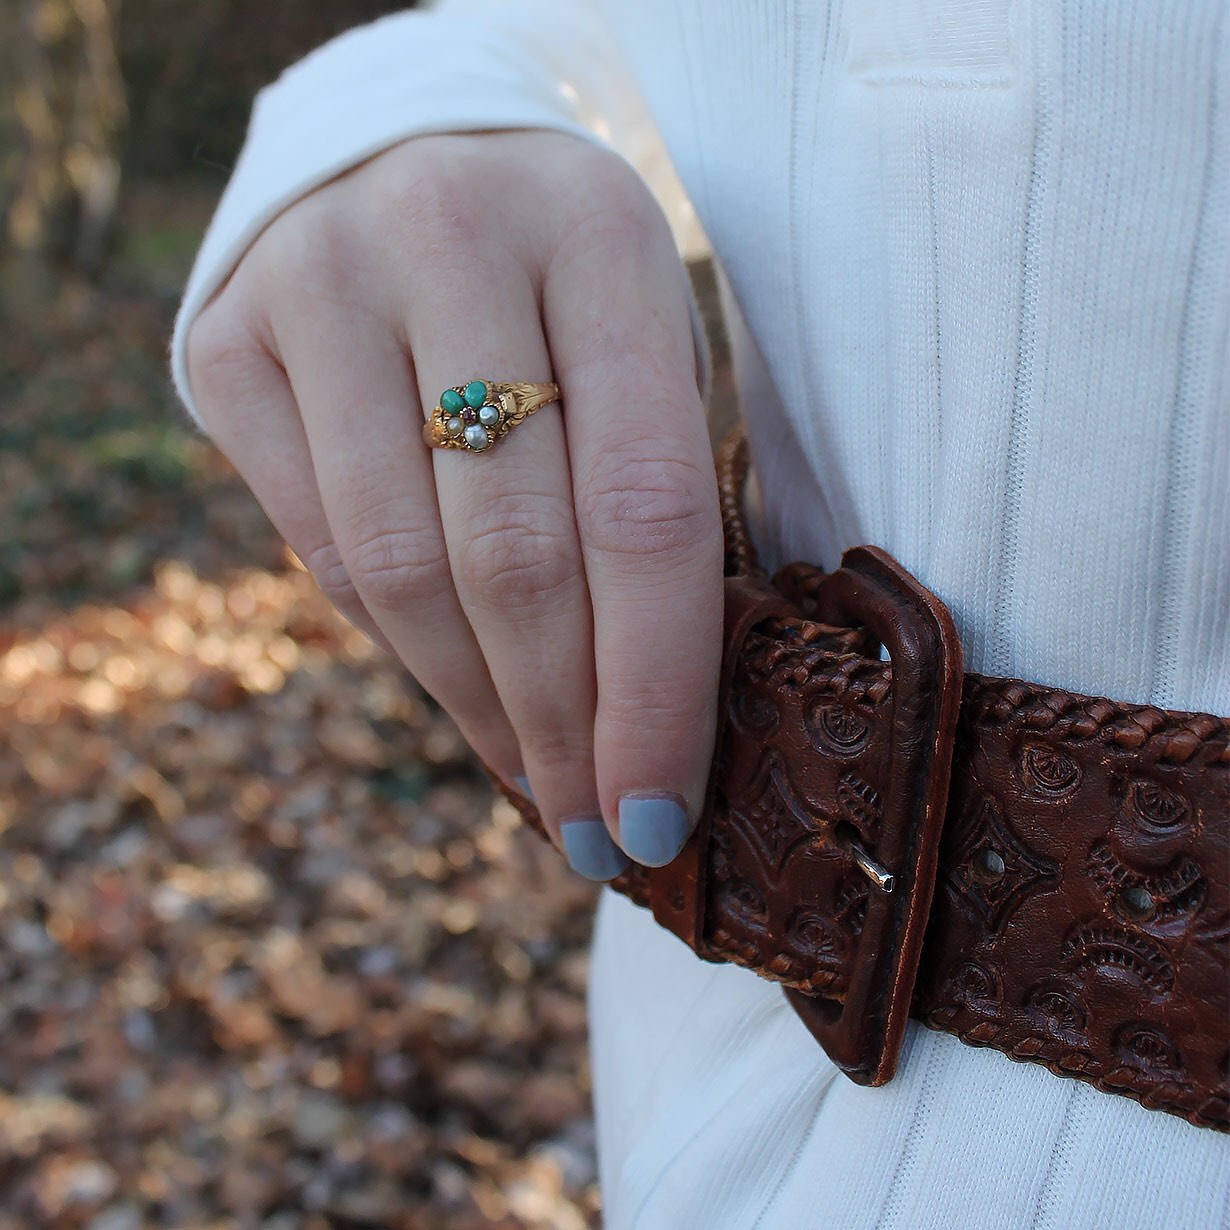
(862, 1032)
(765, 875)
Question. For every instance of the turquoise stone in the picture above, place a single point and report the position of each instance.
(476, 393)
(451, 400)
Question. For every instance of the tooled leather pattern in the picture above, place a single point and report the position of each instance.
(1108, 958)
(1037, 943)
(786, 784)
(1081, 917)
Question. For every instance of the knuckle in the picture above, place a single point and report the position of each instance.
(326, 565)
(611, 215)
(432, 202)
(517, 559)
(648, 506)
(610, 233)
(223, 356)
(652, 716)
(215, 343)
(310, 250)
(561, 748)
(657, 724)
(399, 568)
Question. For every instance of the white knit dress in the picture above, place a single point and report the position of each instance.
(978, 253)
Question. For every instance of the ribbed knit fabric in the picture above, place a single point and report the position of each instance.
(978, 260)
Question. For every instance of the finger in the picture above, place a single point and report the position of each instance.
(352, 381)
(246, 403)
(645, 495)
(512, 542)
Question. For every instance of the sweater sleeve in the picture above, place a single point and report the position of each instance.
(528, 64)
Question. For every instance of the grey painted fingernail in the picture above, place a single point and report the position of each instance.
(652, 827)
(590, 850)
(523, 784)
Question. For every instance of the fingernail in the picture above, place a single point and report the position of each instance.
(523, 784)
(652, 827)
(590, 850)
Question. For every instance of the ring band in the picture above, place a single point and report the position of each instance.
(477, 414)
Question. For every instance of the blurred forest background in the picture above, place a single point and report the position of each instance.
(270, 955)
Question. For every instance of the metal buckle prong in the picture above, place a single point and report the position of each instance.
(880, 876)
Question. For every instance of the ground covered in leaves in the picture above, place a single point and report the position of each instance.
(270, 954)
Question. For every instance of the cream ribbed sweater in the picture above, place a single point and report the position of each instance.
(978, 256)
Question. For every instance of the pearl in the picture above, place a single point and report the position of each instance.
(476, 436)
(489, 416)
(453, 426)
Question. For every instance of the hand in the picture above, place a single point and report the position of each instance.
(561, 596)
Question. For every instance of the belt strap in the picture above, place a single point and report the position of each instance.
(1037, 871)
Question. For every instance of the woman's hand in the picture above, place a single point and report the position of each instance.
(560, 596)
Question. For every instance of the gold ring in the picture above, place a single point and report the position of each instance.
(476, 414)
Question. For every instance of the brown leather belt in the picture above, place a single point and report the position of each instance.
(1028, 869)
